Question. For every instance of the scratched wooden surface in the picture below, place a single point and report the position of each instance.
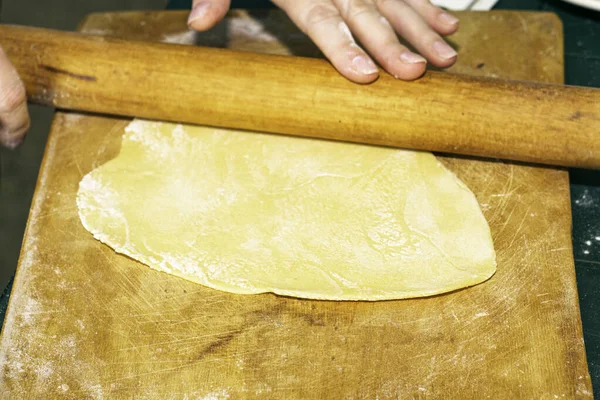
(84, 322)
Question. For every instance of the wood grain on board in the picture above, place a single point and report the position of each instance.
(84, 322)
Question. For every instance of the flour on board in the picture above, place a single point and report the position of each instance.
(216, 395)
(24, 360)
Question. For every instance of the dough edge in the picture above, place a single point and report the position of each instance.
(383, 296)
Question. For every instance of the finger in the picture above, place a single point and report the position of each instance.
(322, 22)
(409, 24)
(14, 118)
(443, 22)
(380, 40)
(207, 13)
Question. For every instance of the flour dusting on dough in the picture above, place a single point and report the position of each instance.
(105, 203)
(253, 213)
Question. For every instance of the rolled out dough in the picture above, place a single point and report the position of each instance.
(251, 213)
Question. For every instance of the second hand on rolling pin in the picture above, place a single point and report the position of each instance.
(522, 121)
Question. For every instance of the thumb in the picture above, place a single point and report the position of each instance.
(207, 13)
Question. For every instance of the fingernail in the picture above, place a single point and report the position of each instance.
(443, 50)
(364, 65)
(409, 57)
(448, 19)
(199, 11)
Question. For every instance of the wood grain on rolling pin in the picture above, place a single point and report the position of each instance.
(531, 122)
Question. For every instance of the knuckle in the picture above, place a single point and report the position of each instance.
(12, 98)
(320, 13)
(355, 8)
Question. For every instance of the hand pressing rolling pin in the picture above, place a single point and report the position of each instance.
(331, 24)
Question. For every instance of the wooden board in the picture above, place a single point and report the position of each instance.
(84, 322)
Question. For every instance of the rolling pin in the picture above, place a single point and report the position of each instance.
(441, 112)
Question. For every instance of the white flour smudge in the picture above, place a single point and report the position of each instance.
(32, 307)
(45, 360)
(98, 32)
(249, 29)
(585, 199)
(187, 37)
(216, 395)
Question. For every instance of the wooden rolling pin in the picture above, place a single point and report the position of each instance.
(531, 122)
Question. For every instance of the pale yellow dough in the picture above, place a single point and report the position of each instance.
(252, 213)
